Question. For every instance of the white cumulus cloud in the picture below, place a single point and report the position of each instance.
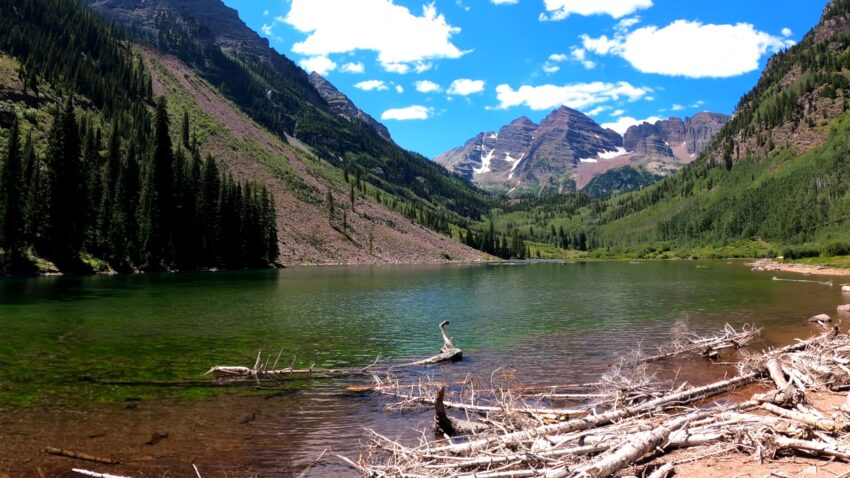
(426, 86)
(465, 87)
(353, 68)
(577, 95)
(399, 89)
(691, 49)
(504, 2)
(786, 32)
(677, 107)
(623, 123)
(320, 64)
(414, 112)
(371, 85)
(561, 9)
(397, 35)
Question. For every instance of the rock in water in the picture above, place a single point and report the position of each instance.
(820, 318)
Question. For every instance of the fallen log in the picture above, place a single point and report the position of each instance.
(629, 453)
(706, 347)
(684, 397)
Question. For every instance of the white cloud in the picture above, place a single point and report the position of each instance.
(371, 85)
(786, 32)
(698, 104)
(623, 123)
(577, 95)
(690, 49)
(422, 66)
(580, 55)
(626, 23)
(550, 68)
(558, 57)
(415, 112)
(677, 107)
(602, 45)
(616, 113)
(397, 35)
(265, 13)
(504, 2)
(465, 87)
(399, 89)
(353, 68)
(598, 110)
(320, 64)
(561, 9)
(400, 68)
(426, 86)
(267, 29)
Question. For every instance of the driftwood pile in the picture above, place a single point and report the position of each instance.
(627, 423)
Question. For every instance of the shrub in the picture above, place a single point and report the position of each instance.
(837, 248)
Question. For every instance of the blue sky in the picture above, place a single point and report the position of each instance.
(438, 72)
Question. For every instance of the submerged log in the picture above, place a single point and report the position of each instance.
(79, 455)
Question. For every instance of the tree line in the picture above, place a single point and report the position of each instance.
(90, 199)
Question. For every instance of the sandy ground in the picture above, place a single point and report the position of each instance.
(807, 269)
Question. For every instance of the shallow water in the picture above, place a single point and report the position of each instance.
(553, 323)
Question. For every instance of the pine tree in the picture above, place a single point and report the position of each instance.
(11, 200)
(208, 210)
(270, 227)
(34, 205)
(185, 130)
(66, 202)
(156, 219)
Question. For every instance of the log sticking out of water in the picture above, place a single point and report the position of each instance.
(524, 439)
(261, 371)
(448, 352)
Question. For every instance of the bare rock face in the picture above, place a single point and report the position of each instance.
(343, 106)
(210, 20)
(675, 138)
(700, 130)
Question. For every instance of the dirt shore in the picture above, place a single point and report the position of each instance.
(806, 269)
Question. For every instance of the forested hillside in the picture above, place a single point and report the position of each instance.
(90, 179)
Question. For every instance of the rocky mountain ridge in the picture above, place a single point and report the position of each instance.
(343, 106)
(568, 149)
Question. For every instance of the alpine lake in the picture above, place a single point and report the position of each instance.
(114, 366)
